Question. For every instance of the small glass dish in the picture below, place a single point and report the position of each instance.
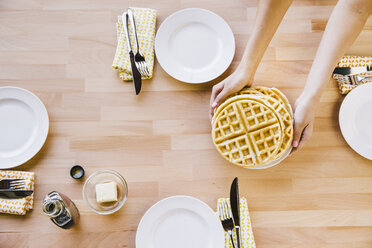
(104, 176)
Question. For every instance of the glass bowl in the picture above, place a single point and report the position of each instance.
(104, 176)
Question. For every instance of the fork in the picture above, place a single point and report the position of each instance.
(138, 57)
(356, 79)
(226, 219)
(13, 184)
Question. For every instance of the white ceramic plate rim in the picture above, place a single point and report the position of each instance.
(347, 113)
(184, 202)
(224, 61)
(43, 125)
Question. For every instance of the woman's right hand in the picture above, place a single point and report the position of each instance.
(230, 85)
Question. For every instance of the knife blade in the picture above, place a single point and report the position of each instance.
(135, 73)
(15, 194)
(351, 70)
(235, 207)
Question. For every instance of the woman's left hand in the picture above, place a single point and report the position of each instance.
(304, 115)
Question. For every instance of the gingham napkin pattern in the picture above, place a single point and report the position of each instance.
(18, 206)
(145, 22)
(247, 238)
(344, 84)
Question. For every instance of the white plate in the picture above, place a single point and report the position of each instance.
(24, 126)
(182, 222)
(355, 119)
(194, 45)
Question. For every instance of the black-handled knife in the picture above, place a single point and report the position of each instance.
(235, 207)
(135, 73)
(352, 70)
(15, 194)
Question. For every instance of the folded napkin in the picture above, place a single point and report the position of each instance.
(247, 238)
(145, 22)
(343, 82)
(22, 205)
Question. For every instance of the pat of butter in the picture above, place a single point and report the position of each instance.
(106, 192)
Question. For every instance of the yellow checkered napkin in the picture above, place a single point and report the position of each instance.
(247, 237)
(145, 22)
(343, 82)
(18, 206)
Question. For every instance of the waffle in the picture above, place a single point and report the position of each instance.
(281, 104)
(274, 93)
(247, 131)
(253, 127)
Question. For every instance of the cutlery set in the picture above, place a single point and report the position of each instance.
(351, 73)
(137, 61)
(13, 189)
(230, 218)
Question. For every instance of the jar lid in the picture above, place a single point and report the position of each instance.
(77, 172)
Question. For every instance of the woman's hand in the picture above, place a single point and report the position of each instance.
(230, 85)
(304, 114)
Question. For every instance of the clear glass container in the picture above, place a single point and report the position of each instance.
(61, 210)
(104, 176)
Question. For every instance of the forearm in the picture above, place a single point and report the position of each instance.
(269, 15)
(344, 25)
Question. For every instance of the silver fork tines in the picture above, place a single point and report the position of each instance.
(355, 79)
(139, 59)
(12, 184)
(226, 219)
(17, 185)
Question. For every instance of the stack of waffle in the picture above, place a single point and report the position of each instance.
(254, 127)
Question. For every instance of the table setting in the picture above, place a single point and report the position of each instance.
(120, 174)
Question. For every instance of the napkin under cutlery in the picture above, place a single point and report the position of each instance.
(343, 82)
(145, 23)
(22, 205)
(247, 237)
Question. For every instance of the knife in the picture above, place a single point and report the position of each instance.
(351, 70)
(15, 194)
(235, 207)
(135, 73)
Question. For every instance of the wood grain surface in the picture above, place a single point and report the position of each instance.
(160, 140)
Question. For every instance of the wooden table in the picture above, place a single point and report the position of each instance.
(160, 140)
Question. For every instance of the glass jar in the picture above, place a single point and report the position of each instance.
(61, 210)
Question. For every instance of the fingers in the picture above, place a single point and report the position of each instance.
(305, 135)
(297, 133)
(220, 97)
(215, 91)
(219, 93)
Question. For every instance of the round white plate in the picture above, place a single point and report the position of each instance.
(194, 45)
(24, 126)
(355, 119)
(182, 222)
